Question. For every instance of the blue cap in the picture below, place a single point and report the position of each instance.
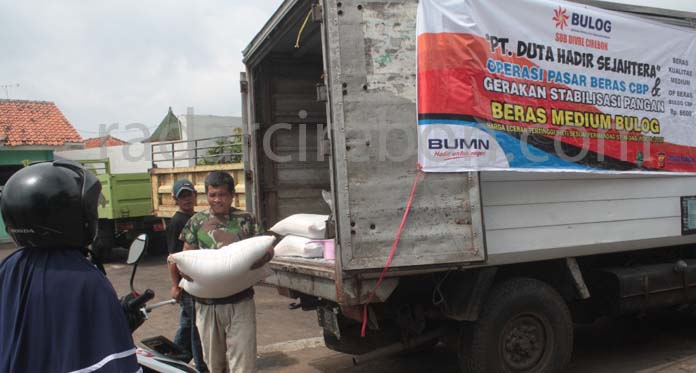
(181, 185)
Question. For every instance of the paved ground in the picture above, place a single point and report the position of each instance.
(289, 340)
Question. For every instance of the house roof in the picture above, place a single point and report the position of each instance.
(34, 123)
(98, 142)
(168, 130)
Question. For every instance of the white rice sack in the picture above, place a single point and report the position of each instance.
(298, 246)
(313, 250)
(291, 246)
(305, 225)
(223, 272)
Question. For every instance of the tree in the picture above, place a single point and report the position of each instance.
(225, 150)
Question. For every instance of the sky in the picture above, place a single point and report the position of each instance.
(114, 63)
(118, 62)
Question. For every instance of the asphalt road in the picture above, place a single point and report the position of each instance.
(289, 340)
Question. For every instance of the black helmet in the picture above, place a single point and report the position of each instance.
(51, 204)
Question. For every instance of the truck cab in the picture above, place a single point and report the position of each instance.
(125, 209)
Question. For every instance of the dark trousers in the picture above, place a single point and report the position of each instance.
(187, 336)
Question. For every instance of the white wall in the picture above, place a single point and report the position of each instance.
(124, 158)
(163, 160)
(196, 127)
(206, 126)
(138, 157)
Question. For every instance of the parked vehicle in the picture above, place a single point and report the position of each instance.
(125, 209)
(161, 354)
(201, 157)
(502, 263)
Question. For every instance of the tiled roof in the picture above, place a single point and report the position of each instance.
(34, 123)
(98, 142)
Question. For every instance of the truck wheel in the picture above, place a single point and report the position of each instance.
(525, 326)
(105, 240)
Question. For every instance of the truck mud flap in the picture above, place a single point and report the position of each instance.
(328, 319)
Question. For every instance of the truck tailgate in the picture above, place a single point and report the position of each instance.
(309, 276)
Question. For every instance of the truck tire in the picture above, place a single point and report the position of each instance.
(525, 326)
(104, 241)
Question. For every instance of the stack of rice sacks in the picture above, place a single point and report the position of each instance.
(299, 231)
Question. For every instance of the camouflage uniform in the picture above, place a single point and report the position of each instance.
(211, 232)
(227, 328)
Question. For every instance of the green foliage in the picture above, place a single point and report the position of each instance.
(225, 150)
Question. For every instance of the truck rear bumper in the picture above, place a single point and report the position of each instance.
(315, 277)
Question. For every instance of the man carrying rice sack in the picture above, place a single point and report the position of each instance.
(227, 325)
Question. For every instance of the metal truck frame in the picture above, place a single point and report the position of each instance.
(501, 263)
(168, 158)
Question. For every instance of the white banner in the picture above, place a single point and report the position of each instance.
(540, 85)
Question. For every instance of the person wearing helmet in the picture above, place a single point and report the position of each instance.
(58, 313)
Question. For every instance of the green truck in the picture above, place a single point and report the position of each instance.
(125, 210)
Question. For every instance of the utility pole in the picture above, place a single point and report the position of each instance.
(7, 87)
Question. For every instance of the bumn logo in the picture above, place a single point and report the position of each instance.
(560, 18)
(458, 144)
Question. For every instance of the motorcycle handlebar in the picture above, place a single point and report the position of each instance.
(141, 299)
(160, 304)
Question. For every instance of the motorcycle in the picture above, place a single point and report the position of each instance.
(159, 354)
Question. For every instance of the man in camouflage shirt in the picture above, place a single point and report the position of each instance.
(227, 325)
(210, 231)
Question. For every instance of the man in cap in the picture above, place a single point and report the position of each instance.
(187, 336)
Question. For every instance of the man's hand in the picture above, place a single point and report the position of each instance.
(175, 292)
(264, 259)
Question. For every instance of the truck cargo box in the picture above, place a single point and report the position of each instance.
(333, 86)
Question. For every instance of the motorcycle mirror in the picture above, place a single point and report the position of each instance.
(137, 249)
(135, 253)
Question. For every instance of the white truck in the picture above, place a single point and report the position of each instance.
(500, 263)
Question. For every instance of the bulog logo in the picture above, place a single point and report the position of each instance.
(560, 18)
